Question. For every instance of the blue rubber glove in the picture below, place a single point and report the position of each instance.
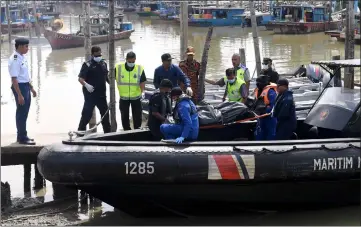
(179, 140)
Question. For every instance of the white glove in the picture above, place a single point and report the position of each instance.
(89, 87)
(189, 91)
(143, 95)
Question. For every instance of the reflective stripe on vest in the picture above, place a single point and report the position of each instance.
(264, 92)
(233, 90)
(128, 82)
(240, 74)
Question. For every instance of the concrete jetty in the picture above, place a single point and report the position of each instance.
(13, 153)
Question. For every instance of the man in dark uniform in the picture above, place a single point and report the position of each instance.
(159, 108)
(93, 76)
(21, 87)
(269, 71)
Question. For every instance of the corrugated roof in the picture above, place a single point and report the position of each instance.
(342, 63)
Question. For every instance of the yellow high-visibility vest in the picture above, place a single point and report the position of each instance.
(128, 83)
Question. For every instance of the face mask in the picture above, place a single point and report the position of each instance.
(131, 65)
(231, 81)
(97, 59)
(265, 67)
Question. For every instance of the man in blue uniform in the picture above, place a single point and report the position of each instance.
(185, 114)
(93, 77)
(21, 87)
(265, 94)
(159, 108)
(285, 111)
(171, 72)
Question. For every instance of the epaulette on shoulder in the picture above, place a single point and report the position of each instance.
(88, 63)
(15, 56)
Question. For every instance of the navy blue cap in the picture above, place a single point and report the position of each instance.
(21, 41)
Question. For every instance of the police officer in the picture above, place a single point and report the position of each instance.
(93, 76)
(21, 87)
(130, 79)
(159, 108)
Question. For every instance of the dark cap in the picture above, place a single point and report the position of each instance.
(130, 54)
(267, 60)
(282, 82)
(166, 57)
(21, 41)
(166, 83)
(230, 71)
(263, 79)
(176, 91)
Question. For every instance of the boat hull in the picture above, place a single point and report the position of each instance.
(16, 27)
(64, 41)
(301, 28)
(148, 14)
(258, 173)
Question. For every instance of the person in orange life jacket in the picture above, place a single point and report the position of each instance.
(285, 111)
(265, 93)
(185, 114)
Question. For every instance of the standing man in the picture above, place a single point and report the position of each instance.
(93, 77)
(21, 87)
(236, 89)
(130, 79)
(285, 111)
(191, 67)
(269, 70)
(171, 72)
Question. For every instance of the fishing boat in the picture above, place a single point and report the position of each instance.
(301, 19)
(225, 166)
(99, 27)
(262, 18)
(17, 22)
(216, 17)
(48, 10)
(150, 9)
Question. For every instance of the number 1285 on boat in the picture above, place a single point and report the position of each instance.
(135, 168)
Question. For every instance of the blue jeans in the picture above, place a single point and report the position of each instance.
(266, 128)
(22, 111)
(173, 131)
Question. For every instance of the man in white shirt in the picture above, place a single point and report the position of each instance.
(21, 87)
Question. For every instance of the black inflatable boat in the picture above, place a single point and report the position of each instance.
(128, 170)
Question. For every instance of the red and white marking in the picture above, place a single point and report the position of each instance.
(227, 167)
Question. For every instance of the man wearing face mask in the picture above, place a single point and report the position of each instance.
(93, 77)
(159, 108)
(185, 115)
(130, 79)
(236, 89)
(171, 72)
(265, 95)
(268, 70)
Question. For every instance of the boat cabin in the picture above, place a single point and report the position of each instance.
(151, 6)
(215, 13)
(100, 24)
(300, 13)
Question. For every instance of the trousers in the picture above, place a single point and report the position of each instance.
(173, 131)
(136, 112)
(266, 128)
(90, 101)
(22, 111)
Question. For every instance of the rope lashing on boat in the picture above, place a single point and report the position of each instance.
(71, 134)
(46, 213)
(235, 122)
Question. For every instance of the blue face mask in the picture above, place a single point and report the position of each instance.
(97, 59)
(131, 65)
(231, 81)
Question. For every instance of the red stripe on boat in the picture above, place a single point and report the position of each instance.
(227, 167)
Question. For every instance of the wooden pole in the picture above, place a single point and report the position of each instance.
(242, 53)
(1, 32)
(87, 46)
(255, 37)
(337, 80)
(203, 69)
(8, 17)
(184, 28)
(111, 49)
(37, 26)
(349, 44)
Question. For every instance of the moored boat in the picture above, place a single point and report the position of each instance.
(99, 26)
(150, 9)
(129, 171)
(301, 19)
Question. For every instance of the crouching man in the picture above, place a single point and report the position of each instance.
(185, 115)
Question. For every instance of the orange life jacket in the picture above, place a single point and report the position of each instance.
(265, 92)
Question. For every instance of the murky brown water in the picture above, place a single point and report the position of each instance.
(58, 105)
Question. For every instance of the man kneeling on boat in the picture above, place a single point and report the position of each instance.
(185, 115)
(265, 94)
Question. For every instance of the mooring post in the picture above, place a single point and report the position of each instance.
(203, 69)
(255, 37)
(38, 179)
(8, 17)
(242, 53)
(87, 46)
(183, 28)
(349, 44)
(337, 80)
(37, 26)
(111, 49)
(27, 180)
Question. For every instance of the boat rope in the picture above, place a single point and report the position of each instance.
(46, 213)
(71, 134)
